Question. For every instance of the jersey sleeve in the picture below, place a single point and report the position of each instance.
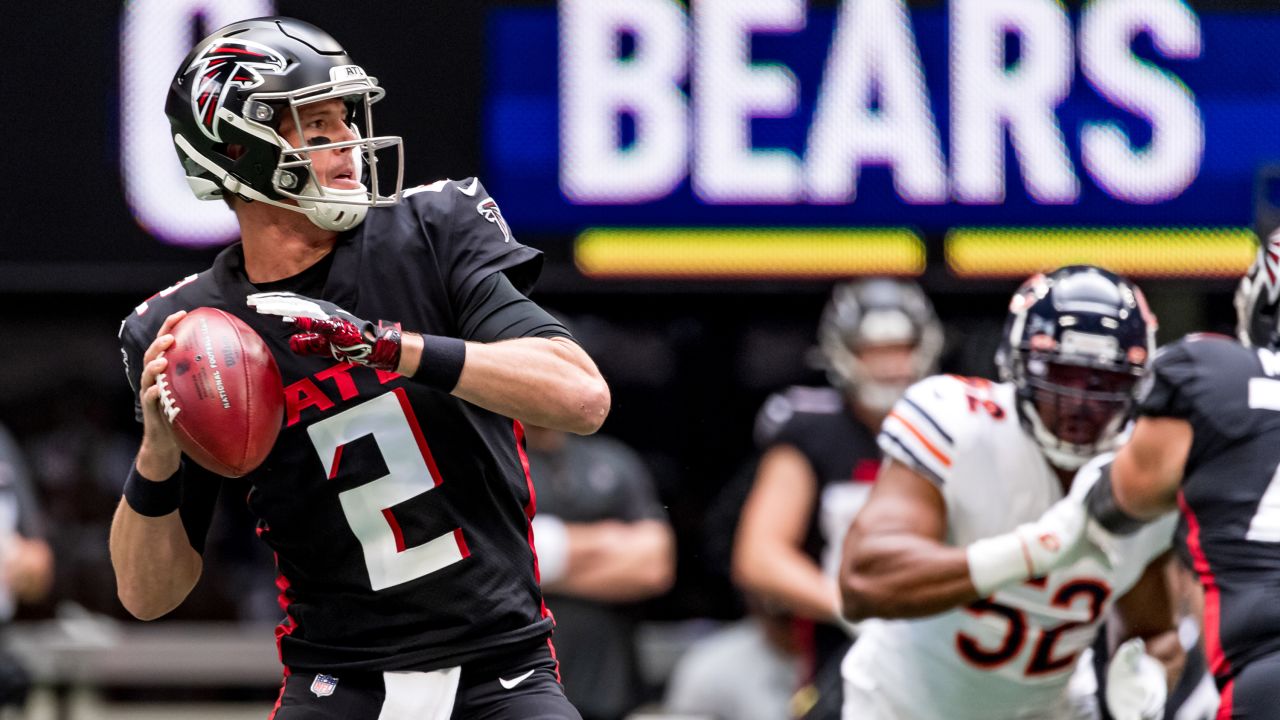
(783, 418)
(473, 240)
(1162, 393)
(200, 490)
(131, 351)
(1206, 380)
(497, 311)
(920, 431)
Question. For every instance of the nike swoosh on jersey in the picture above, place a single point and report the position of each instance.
(470, 189)
(509, 684)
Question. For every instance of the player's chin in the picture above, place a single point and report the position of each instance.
(344, 183)
(1084, 434)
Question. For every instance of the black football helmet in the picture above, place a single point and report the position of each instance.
(879, 311)
(1258, 298)
(1075, 345)
(236, 86)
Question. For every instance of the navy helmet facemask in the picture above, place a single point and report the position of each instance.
(1075, 345)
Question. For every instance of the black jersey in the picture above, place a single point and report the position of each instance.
(590, 480)
(398, 514)
(843, 454)
(1230, 494)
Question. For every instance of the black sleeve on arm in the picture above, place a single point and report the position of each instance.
(199, 498)
(1101, 504)
(131, 351)
(192, 488)
(1163, 392)
(496, 310)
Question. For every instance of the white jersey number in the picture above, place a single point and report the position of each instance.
(1046, 658)
(369, 508)
(1264, 394)
(1265, 525)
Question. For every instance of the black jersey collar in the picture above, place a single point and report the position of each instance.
(340, 287)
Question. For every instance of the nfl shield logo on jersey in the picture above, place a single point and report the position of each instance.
(324, 685)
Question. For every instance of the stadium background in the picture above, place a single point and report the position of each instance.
(691, 348)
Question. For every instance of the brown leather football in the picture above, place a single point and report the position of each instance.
(222, 393)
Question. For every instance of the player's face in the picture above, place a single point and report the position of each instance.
(325, 122)
(1078, 403)
(889, 364)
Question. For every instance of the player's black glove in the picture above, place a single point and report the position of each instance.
(326, 329)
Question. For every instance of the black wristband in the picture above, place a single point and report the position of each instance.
(441, 363)
(150, 498)
(1101, 504)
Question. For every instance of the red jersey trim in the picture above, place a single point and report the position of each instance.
(1218, 663)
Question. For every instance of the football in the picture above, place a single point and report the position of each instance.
(221, 392)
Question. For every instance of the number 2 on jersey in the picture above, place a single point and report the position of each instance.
(411, 471)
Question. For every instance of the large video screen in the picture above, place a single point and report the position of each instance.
(709, 139)
(772, 137)
(95, 198)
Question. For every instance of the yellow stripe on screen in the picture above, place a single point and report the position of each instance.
(1191, 252)
(748, 253)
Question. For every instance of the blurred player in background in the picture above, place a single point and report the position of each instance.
(819, 456)
(603, 542)
(26, 560)
(975, 508)
(397, 498)
(1207, 443)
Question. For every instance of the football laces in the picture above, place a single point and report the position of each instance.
(167, 402)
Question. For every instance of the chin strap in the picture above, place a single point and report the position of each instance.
(337, 216)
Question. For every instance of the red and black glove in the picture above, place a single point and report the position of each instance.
(326, 329)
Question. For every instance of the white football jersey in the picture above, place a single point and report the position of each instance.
(1009, 656)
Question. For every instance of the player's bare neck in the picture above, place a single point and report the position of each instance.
(870, 418)
(1065, 477)
(279, 243)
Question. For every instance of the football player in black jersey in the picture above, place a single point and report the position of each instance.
(1207, 443)
(397, 498)
(876, 337)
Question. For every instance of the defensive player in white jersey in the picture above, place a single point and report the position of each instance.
(956, 550)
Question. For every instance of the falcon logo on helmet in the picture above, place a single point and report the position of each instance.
(221, 67)
(236, 87)
(1257, 298)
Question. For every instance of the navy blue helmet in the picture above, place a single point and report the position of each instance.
(1075, 345)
